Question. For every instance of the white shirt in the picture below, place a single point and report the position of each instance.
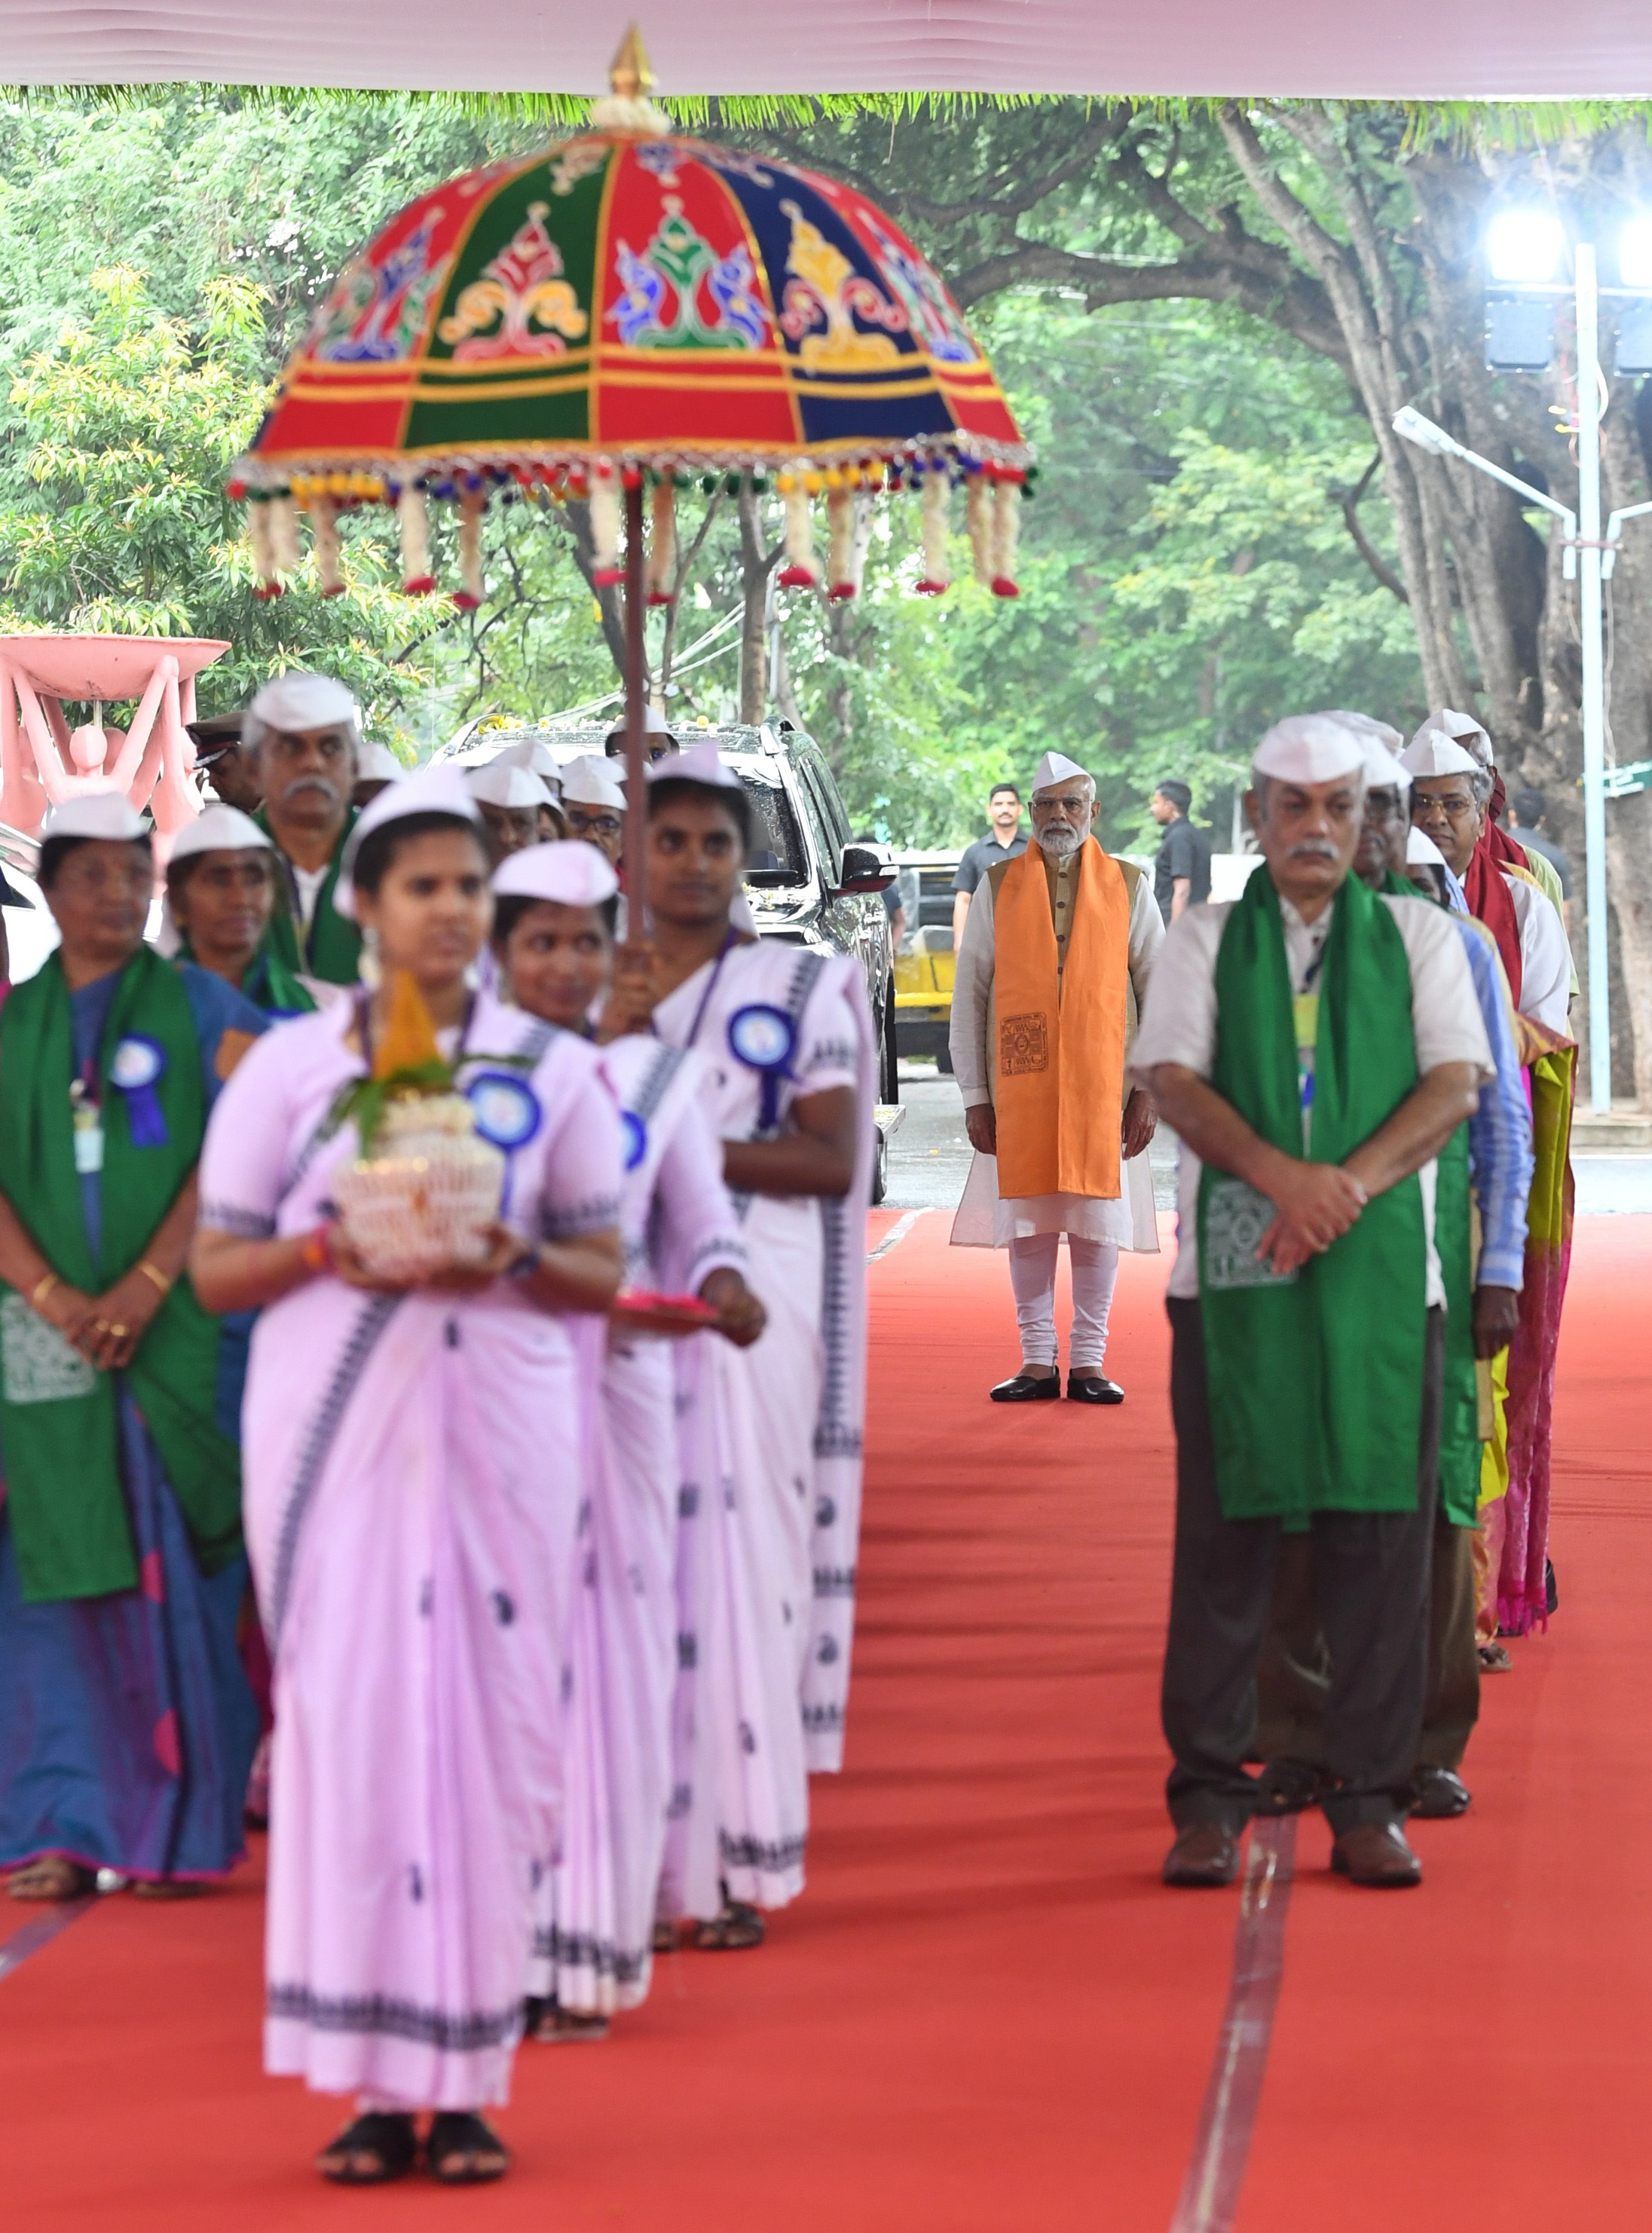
(1179, 1026)
(1545, 957)
(308, 882)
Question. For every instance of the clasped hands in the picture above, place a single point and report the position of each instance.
(1315, 1204)
(104, 1329)
(1137, 1127)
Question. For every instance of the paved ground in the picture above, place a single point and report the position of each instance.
(929, 1158)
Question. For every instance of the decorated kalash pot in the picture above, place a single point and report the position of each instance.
(425, 1187)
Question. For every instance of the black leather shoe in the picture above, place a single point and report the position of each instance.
(1205, 1855)
(1441, 1795)
(1376, 1853)
(1093, 1387)
(1027, 1388)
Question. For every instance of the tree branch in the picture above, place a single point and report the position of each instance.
(1349, 501)
(1274, 290)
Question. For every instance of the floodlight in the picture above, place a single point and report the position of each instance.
(1525, 245)
(1635, 252)
(1411, 426)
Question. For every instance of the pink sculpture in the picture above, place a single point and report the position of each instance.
(42, 763)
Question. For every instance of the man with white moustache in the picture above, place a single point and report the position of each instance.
(1314, 1045)
(1057, 949)
(304, 732)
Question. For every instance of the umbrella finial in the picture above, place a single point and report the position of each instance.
(627, 108)
(630, 76)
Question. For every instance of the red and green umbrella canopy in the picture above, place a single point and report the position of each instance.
(640, 299)
(627, 304)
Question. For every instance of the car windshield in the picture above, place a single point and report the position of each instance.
(777, 856)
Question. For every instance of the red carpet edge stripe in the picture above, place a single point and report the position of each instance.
(1216, 2172)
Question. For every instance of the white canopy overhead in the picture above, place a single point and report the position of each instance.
(1463, 50)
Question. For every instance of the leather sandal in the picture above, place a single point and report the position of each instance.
(372, 2152)
(462, 2150)
(736, 1930)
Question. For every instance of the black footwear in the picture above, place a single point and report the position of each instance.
(462, 2152)
(1026, 1388)
(1289, 1787)
(1441, 1795)
(1551, 1588)
(1093, 1387)
(1205, 1855)
(372, 2152)
(1376, 1853)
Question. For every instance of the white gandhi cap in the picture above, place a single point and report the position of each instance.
(1462, 729)
(219, 829)
(108, 815)
(501, 783)
(1054, 768)
(699, 764)
(568, 872)
(377, 764)
(1420, 846)
(1432, 752)
(295, 702)
(1310, 748)
(590, 781)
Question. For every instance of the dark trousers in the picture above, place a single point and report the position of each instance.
(1370, 1581)
(1294, 1678)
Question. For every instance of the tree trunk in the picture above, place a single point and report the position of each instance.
(757, 564)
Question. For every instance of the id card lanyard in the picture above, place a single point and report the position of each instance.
(86, 1115)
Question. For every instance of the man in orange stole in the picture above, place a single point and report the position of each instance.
(1057, 949)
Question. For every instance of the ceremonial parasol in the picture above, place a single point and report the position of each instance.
(607, 320)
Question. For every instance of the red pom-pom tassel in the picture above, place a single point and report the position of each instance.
(1004, 587)
(795, 578)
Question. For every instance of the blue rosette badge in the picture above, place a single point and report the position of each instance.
(136, 1067)
(764, 1038)
(506, 1111)
(634, 1135)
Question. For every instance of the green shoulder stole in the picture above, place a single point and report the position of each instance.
(269, 984)
(332, 949)
(59, 1431)
(1316, 1378)
(1460, 1442)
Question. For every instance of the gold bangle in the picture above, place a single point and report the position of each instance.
(43, 1287)
(153, 1271)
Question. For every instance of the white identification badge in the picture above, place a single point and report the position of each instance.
(88, 1132)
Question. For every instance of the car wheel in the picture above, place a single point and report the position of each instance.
(944, 1059)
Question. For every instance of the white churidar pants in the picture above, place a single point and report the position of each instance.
(1032, 1275)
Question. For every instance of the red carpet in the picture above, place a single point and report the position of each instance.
(985, 2015)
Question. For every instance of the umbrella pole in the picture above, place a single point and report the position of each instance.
(635, 779)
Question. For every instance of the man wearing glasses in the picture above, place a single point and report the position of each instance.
(1057, 948)
(593, 804)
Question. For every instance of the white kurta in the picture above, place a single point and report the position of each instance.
(413, 1471)
(772, 1450)
(592, 1944)
(1545, 956)
(984, 1218)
